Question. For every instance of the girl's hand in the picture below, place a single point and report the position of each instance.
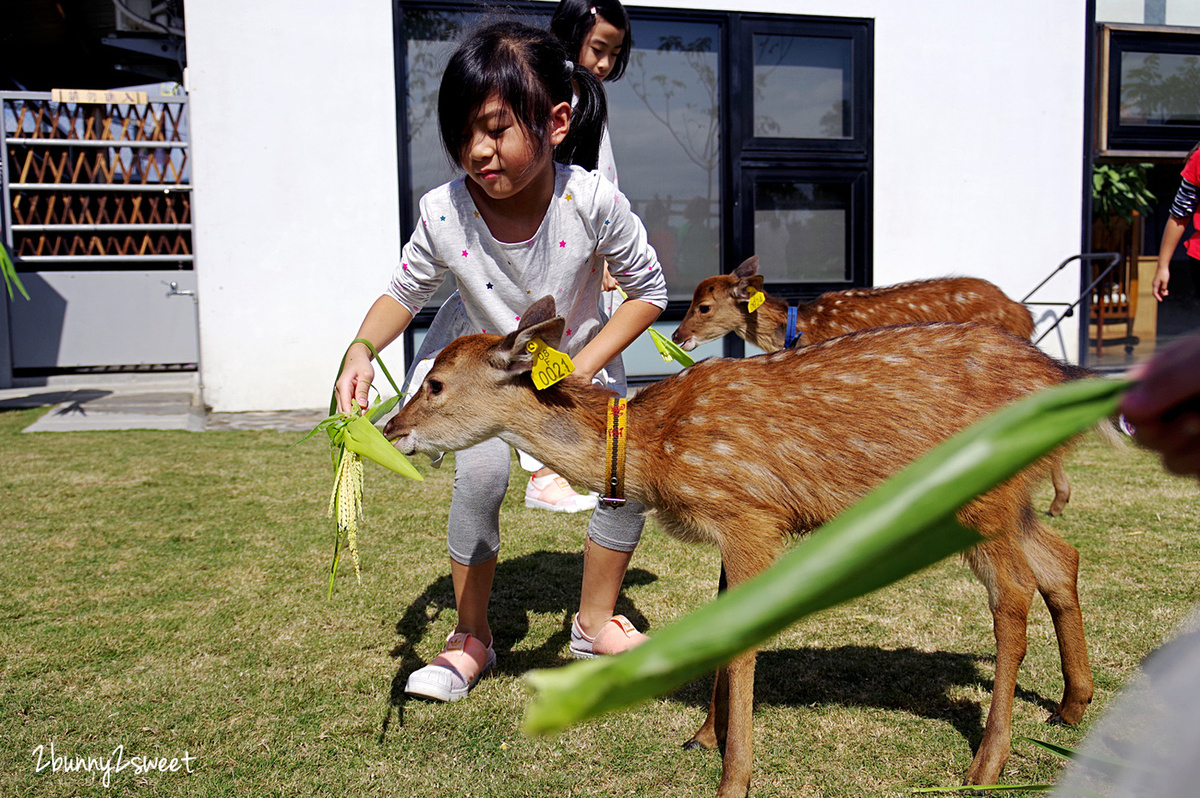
(353, 385)
(1162, 276)
(609, 283)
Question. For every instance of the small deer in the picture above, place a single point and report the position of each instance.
(741, 453)
(721, 305)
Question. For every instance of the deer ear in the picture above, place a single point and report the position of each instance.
(747, 287)
(512, 353)
(541, 310)
(748, 268)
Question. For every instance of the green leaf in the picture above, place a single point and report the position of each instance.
(1060, 751)
(9, 270)
(364, 438)
(670, 350)
(382, 408)
(903, 525)
(973, 788)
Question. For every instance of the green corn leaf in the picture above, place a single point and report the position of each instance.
(975, 788)
(670, 350)
(666, 348)
(382, 408)
(364, 438)
(1059, 751)
(905, 524)
(9, 270)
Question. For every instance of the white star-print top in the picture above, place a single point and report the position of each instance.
(588, 221)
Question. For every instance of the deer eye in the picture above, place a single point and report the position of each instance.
(435, 387)
(704, 309)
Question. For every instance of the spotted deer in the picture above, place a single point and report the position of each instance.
(721, 305)
(742, 453)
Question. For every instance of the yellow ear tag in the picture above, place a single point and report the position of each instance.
(549, 365)
(756, 300)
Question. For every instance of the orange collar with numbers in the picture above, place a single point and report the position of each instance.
(614, 453)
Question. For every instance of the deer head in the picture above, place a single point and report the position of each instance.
(719, 305)
(476, 385)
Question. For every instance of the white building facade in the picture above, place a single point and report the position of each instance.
(974, 165)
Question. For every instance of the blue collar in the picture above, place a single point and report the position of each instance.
(792, 336)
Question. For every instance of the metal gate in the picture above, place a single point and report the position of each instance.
(97, 214)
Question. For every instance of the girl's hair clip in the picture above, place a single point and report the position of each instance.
(592, 10)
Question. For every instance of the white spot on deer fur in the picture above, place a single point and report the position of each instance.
(724, 449)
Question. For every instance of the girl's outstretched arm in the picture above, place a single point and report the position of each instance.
(1172, 234)
(384, 322)
(629, 321)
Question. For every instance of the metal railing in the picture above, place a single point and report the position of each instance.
(1113, 258)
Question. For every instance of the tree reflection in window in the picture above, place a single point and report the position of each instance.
(672, 87)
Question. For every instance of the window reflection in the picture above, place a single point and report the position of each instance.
(432, 37)
(1159, 88)
(800, 231)
(664, 122)
(802, 87)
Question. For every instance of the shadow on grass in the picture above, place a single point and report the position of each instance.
(904, 680)
(544, 582)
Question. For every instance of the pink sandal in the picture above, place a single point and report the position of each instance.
(453, 673)
(554, 493)
(617, 635)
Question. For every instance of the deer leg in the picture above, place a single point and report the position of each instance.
(738, 762)
(1011, 585)
(1062, 488)
(712, 732)
(740, 563)
(1055, 565)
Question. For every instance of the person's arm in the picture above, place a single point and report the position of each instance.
(385, 321)
(1162, 406)
(1172, 234)
(628, 321)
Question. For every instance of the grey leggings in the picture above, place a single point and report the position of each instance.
(480, 482)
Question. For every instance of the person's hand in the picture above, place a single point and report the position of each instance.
(609, 283)
(353, 385)
(1162, 276)
(1164, 406)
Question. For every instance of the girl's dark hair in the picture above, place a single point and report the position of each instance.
(528, 70)
(573, 20)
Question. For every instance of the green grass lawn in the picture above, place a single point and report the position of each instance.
(165, 592)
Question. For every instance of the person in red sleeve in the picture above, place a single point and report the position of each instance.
(1184, 206)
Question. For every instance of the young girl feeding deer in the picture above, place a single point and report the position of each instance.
(519, 225)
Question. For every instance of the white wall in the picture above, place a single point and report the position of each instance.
(296, 205)
(978, 167)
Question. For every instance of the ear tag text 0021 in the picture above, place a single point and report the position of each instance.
(756, 300)
(549, 365)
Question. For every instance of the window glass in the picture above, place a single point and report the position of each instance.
(1159, 88)
(664, 123)
(802, 87)
(800, 231)
(432, 37)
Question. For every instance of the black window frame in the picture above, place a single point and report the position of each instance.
(850, 160)
(1116, 139)
(745, 158)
